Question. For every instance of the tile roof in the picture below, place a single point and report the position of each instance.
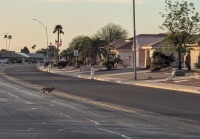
(11, 54)
(127, 46)
(145, 39)
(120, 43)
(23, 54)
(36, 55)
(142, 40)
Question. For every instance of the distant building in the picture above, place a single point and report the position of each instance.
(23, 56)
(12, 54)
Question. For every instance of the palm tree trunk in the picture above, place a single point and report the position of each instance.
(57, 49)
(179, 61)
(6, 44)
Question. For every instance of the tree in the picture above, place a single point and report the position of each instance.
(98, 49)
(111, 33)
(58, 30)
(68, 54)
(89, 47)
(3, 50)
(9, 38)
(6, 36)
(33, 47)
(78, 43)
(51, 51)
(182, 23)
(25, 50)
(42, 51)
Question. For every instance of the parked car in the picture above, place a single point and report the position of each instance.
(62, 64)
(4, 60)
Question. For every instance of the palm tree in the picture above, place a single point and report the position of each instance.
(98, 49)
(33, 47)
(6, 36)
(9, 37)
(93, 48)
(58, 29)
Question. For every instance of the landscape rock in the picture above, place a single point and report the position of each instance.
(178, 73)
(169, 79)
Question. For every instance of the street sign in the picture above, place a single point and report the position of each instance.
(75, 52)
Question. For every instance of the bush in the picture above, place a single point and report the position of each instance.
(197, 65)
(109, 65)
(113, 62)
(148, 62)
(161, 60)
(62, 64)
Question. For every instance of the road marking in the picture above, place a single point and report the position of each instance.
(112, 132)
(95, 122)
(13, 95)
(30, 129)
(65, 115)
(3, 99)
(63, 129)
(29, 103)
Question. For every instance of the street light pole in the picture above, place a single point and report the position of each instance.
(134, 42)
(46, 36)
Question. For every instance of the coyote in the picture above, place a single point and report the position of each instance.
(47, 91)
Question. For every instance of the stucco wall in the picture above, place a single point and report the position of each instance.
(126, 56)
(142, 58)
(195, 56)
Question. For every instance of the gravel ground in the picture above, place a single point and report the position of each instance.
(146, 75)
(187, 82)
(160, 75)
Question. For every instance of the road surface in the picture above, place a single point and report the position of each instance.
(26, 114)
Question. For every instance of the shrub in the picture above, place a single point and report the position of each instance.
(160, 60)
(148, 62)
(196, 65)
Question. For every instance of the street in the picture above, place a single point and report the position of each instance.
(130, 111)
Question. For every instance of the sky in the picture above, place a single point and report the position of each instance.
(78, 17)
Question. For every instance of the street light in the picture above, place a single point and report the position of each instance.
(134, 42)
(46, 35)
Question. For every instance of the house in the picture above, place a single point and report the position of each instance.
(145, 45)
(123, 49)
(194, 54)
(36, 57)
(22, 56)
(12, 54)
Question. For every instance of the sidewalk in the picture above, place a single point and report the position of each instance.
(144, 78)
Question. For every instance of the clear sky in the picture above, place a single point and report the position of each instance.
(78, 17)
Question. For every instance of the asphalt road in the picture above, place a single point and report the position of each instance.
(24, 114)
(155, 113)
(165, 102)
